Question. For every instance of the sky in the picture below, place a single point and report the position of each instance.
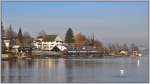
(111, 22)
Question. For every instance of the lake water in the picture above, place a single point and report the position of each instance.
(100, 70)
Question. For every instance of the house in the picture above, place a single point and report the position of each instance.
(11, 45)
(113, 53)
(136, 53)
(15, 48)
(123, 52)
(49, 42)
(7, 42)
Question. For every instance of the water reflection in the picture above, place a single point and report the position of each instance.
(69, 67)
(15, 71)
(122, 72)
(102, 70)
(138, 63)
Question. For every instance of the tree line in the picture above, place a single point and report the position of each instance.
(80, 40)
(77, 40)
(22, 39)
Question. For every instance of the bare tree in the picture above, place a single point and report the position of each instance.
(134, 47)
(80, 39)
(42, 33)
(10, 34)
(27, 39)
(118, 47)
(125, 47)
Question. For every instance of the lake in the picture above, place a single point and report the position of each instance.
(90, 70)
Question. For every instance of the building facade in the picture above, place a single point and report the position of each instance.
(49, 42)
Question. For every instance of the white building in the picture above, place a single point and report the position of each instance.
(136, 53)
(13, 46)
(123, 52)
(7, 43)
(49, 42)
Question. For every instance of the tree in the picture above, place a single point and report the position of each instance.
(113, 48)
(80, 40)
(134, 47)
(125, 47)
(110, 47)
(3, 47)
(42, 33)
(99, 45)
(118, 47)
(10, 34)
(27, 39)
(26, 35)
(20, 37)
(2, 31)
(69, 38)
(92, 43)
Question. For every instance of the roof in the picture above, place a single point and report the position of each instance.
(37, 40)
(60, 47)
(49, 37)
(40, 37)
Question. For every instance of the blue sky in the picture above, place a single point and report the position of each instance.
(122, 22)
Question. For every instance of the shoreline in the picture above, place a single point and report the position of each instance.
(60, 56)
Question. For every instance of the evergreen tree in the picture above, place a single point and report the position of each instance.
(92, 40)
(20, 37)
(3, 47)
(2, 31)
(10, 33)
(10, 36)
(69, 38)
